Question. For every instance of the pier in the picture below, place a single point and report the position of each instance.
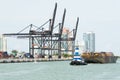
(32, 60)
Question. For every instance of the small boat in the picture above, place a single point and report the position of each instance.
(77, 59)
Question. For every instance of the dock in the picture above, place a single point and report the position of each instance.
(31, 60)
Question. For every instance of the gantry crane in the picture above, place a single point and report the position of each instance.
(46, 41)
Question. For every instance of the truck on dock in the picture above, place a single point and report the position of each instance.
(3, 55)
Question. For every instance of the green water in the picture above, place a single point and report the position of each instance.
(59, 70)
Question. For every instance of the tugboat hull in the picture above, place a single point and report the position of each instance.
(78, 63)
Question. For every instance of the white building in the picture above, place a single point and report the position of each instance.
(3, 43)
(82, 46)
(89, 39)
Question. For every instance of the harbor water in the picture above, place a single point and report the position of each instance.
(59, 70)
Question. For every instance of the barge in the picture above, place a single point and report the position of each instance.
(99, 57)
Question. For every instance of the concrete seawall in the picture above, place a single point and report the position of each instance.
(31, 60)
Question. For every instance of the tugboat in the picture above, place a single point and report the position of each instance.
(77, 59)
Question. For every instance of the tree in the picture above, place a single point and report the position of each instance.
(65, 55)
(14, 52)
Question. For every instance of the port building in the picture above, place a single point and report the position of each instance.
(66, 45)
(81, 45)
(3, 43)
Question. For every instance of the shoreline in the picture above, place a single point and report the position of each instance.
(31, 60)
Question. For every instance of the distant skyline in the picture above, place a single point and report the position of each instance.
(89, 40)
(99, 16)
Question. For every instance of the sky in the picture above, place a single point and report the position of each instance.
(99, 16)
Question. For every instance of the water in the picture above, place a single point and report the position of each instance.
(59, 70)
